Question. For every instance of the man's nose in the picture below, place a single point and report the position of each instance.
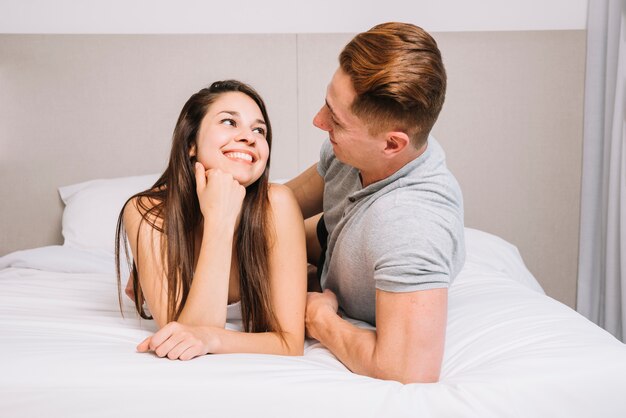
(321, 119)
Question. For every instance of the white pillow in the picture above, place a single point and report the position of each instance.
(92, 208)
(486, 252)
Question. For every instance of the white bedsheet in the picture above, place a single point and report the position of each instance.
(511, 351)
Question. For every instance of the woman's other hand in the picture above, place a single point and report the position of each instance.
(130, 288)
(177, 341)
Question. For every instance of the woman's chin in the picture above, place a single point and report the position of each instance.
(246, 181)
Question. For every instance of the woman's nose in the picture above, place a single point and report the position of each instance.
(246, 135)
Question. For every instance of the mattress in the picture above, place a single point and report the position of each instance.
(67, 349)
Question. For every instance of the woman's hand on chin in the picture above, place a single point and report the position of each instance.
(219, 194)
(182, 342)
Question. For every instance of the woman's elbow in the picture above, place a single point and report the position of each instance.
(291, 345)
(296, 349)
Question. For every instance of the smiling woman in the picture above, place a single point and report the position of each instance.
(212, 232)
(250, 146)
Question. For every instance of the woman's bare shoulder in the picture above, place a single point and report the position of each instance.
(288, 244)
(279, 193)
(140, 208)
(284, 206)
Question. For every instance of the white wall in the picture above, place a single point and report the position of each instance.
(284, 16)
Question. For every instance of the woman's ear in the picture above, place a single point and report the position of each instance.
(192, 151)
(395, 142)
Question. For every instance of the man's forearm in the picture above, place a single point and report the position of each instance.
(353, 346)
(407, 345)
(360, 351)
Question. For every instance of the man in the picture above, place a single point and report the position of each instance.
(392, 227)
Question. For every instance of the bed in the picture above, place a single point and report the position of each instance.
(66, 350)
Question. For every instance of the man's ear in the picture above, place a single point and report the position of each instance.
(395, 142)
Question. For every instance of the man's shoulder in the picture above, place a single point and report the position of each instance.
(405, 212)
(394, 208)
(417, 193)
(432, 185)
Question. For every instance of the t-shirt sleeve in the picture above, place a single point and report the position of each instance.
(416, 252)
(326, 156)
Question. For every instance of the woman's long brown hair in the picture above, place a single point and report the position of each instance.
(171, 207)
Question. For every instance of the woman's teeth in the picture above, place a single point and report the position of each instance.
(239, 156)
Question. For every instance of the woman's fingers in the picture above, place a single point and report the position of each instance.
(191, 352)
(220, 195)
(144, 346)
(174, 341)
(200, 177)
(176, 351)
(156, 342)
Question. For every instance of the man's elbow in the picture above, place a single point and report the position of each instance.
(407, 375)
(420, 378)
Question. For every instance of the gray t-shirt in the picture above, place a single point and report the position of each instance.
(401, 234)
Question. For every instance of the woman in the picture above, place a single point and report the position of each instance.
(213, 232)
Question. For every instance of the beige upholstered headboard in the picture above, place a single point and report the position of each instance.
(80, 107)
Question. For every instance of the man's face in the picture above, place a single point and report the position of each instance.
(352, 143)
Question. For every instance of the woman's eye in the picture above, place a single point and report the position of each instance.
(227, 121)
(259, 131)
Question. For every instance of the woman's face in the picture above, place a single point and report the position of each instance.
(232, 138)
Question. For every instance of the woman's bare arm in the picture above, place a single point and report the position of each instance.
(208, 295)
(145, 245)
(221, 197)
(288, 286)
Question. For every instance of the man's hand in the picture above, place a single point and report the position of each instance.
(318, 305)
(178, 341)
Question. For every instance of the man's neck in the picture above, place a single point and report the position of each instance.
(392, 166)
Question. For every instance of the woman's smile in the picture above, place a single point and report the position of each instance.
(241, 155)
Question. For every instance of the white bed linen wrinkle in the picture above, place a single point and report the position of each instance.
(65, 351)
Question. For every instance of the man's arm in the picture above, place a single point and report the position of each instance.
(308, 188)
(407, 345)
